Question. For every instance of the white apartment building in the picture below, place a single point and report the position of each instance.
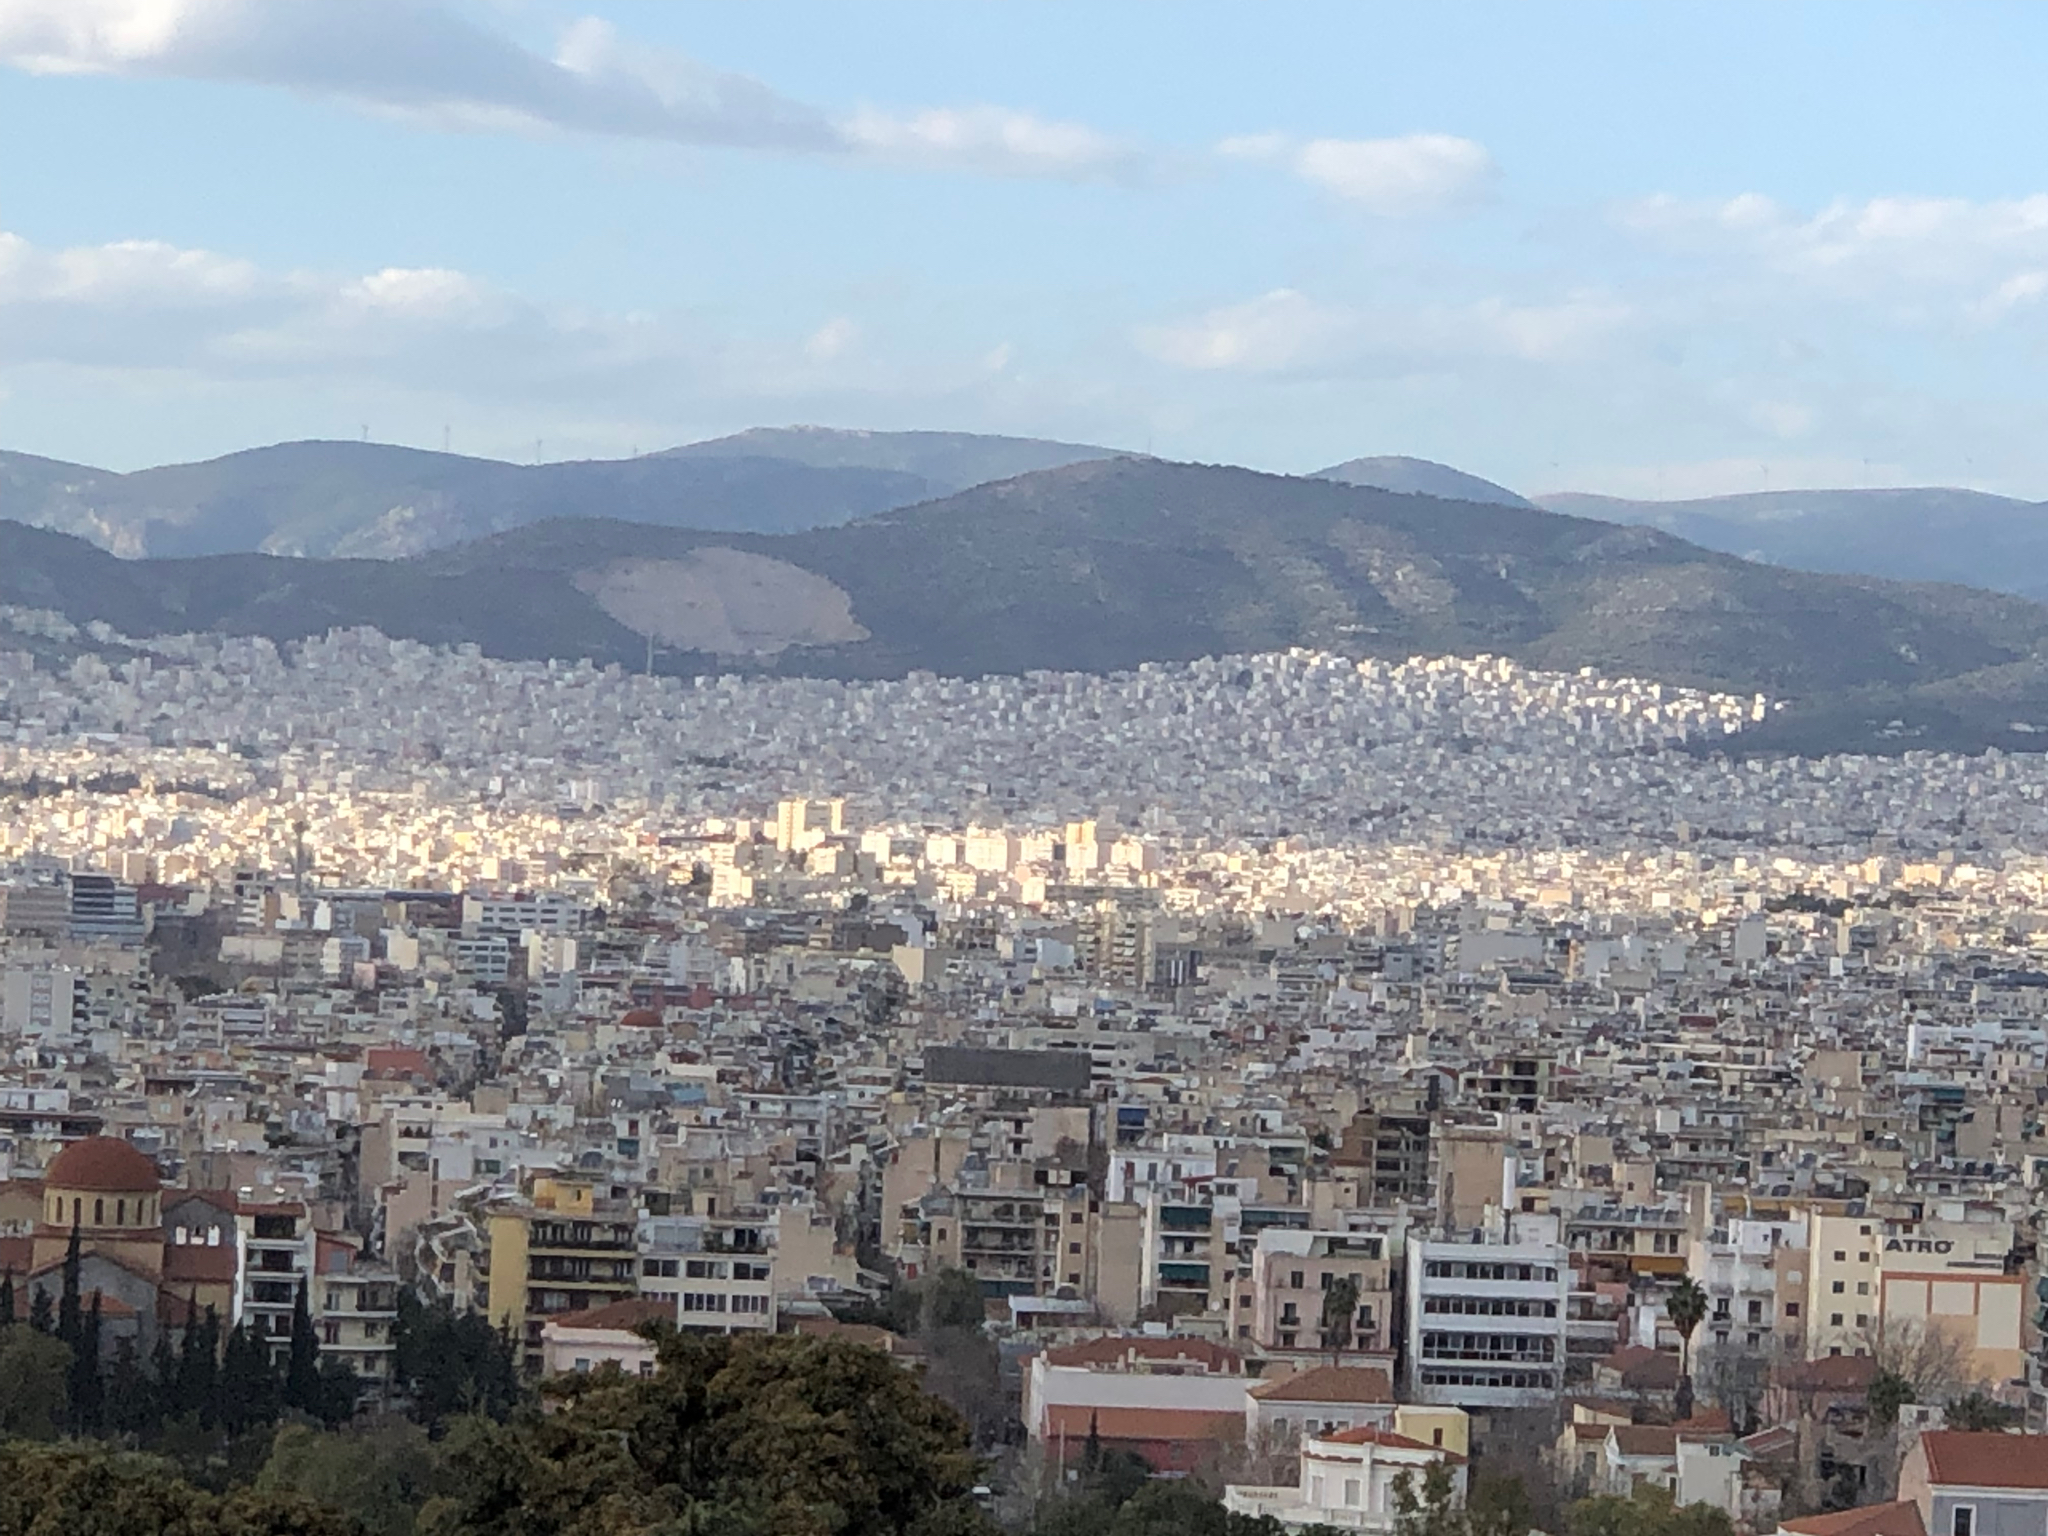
(1746, 1270)
(1486, 1318)
(718, 1275)
(276, 1249)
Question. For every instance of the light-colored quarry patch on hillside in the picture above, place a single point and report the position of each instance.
(724, 600)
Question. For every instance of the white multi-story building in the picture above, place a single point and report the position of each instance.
(719, 1276)
(1486, 1317)
(1743, 1269)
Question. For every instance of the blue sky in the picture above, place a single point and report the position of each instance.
(1652, 250)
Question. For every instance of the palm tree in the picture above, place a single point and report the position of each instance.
(1686, 1309)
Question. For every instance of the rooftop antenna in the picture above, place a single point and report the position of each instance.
(447, 434)
(536, 450)
(366, 431)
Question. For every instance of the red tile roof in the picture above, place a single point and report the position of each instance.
(103, 1163)
(1645, 1439)
(620, 1316)
(1366, 1434)
(1329, 1384)
(1899, 1519)
(1968, 1459)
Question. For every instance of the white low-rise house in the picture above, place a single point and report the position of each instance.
(582, 1342)
(1348, 1480)
(1279, 1414)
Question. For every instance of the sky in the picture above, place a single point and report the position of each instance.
(1658, 251)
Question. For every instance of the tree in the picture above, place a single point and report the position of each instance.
(35, 1373)
(1686, 1308)
(815, 1437)
(248, 1382)
(134, 1402)
(450, 1365)
(198, 1376)
(1340, 1311)
(69, 1313)
(1975, 1410)
(954, 1300)
(302, 1364)
(7, 1300)
(40, 1314)
(380, 1477)
(1427, 1507)
(337, 1393)
(1498, 1505)
(88, 1388)
(94, 1493)
(1887, 1393)
(1651, 1511)
(1933, 1359)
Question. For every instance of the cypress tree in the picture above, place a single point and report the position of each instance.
(248, 1384)
(302, 1368)
(69, 1315)
(198, 1366)
(7, 1300)
(163, 1376)
(88, 1391)
(41, 1315)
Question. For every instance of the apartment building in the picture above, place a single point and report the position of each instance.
(559, 1250)
(1487, 1315)
(1844, 1253)
(713, 1274)
(1291, 1274)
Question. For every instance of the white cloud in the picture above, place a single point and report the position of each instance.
(1285, 331)
(831, 338)
(425, 61)
(1856, 248)
(1415, 173)
(993, 140)
(152, 317)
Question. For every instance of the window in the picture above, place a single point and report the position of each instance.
(1834, 1319)
(1862, 1287)
(1791, 1309)
(1838, 1287)
(1294, 1281)
(1840, 1257)
(1351, 1495)
(1962, 1520)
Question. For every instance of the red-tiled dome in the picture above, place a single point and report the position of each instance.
(102, 1163)
(641, 1018)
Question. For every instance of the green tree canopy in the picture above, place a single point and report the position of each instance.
(35, 1375)
(784, 1435)
(84, 1492)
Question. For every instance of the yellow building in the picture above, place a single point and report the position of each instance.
(559, 1251)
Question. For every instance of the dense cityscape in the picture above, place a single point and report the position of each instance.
(1313, 1070)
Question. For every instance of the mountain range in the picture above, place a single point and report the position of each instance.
(1107, 563)
(378, 501)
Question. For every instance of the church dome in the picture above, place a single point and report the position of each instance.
(103, 1164)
